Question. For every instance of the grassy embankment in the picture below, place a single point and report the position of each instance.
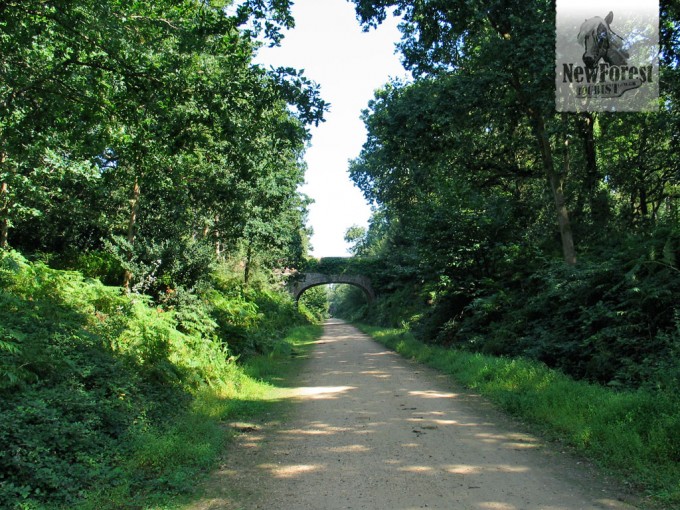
(186, 451)
(633, 434)
(109, 401)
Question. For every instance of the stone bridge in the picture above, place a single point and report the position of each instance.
(297, 287)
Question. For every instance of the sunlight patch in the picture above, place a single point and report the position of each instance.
(432, 394)
(320, 392)
(351, 448)
(416, 469)
(494, 505)
(324, 431)
(291, 471)
(463, 469)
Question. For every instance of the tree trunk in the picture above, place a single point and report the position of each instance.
(4, 220)
(556, 181)
(132, 221)
(249, 261)
(592, 176)
(216, 235)
(644, 210)
(599, 205)
(4, 210)
(641, 174)
(218, 245)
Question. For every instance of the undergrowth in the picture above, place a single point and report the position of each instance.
(111, 401)
(633, 433)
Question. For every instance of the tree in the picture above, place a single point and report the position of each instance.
(500, 44)
(152, 114)
(356, 236)
(456, 164)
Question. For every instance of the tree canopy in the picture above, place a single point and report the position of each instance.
(144, 128)
(480, 187)
(140, 147)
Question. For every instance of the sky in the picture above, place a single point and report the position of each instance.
(349, 65)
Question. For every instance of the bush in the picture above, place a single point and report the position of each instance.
(82, 377)
(98, 389)
(613, 320)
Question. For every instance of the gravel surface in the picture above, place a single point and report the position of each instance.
(370, 430)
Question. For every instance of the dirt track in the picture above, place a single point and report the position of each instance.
(370, 430)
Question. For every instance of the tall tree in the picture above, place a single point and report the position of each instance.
(157, 110)
(509, 45)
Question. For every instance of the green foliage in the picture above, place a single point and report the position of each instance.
(633, 433)
(315, 301)
(329, 265)
(106, 394)
(613, 321)
(252, 318)
(102, 265)
(163, 144)
(348, 302)
(341, 265)
(161, 266)
(76, 392)
(468, 173)
(356, 236)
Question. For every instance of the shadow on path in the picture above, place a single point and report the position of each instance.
(370, 430)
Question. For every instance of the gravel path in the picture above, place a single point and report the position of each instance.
(370, 430)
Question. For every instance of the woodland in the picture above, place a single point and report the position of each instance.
(150, 217)
(148, 214)
(512, 246)
(503, 227)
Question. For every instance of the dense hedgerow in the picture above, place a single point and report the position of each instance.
(614, 320)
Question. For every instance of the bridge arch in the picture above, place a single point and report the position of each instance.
(297, 287)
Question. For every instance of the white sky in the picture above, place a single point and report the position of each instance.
(350, 65)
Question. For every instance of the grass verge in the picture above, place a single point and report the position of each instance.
(632, 434)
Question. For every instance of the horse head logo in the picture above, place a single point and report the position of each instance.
(601, 42)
